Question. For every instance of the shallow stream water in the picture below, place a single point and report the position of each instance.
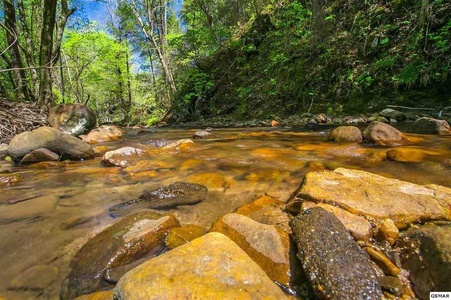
(51, 212)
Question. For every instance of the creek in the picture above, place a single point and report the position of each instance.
(52, 211)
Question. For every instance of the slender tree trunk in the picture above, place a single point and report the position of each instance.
(20, 78)
(46, 59)
(149, 31)
(29, 50)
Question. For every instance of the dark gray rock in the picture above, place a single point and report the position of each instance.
(430, 126)
(336, 266)
(116, 250)
(178, 193)
(427, 256)
(393, 114)
(65, 145)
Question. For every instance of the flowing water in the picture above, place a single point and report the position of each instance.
(52, 211)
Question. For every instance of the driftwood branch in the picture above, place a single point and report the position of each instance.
(412, 108)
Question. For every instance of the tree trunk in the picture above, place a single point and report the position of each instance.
(46, 59)
(29, 50)
(20, 80)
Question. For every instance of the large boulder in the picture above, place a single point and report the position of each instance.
(114, 251)
(336, 266)
(429, 126)
(346, 134)
(427, 256)
(383, 134)
(267, 245)
(75, 119)
(210, 267)
(393, 114)
(376, 197)
(65, 145)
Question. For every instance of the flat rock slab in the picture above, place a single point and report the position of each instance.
(376, 197)
(104, 259)
(210, 267)
(336, 266)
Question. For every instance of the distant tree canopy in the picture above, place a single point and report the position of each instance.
(200, 58)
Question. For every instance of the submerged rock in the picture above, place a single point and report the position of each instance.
(52, 139)
(336, 266)
(410, 154)
(430, 126)
(114, 251)
(376, 197)
(201, 134)
(121, 157)
(383, 134)
(75, 119)
(210, 267)
(427, 256)
(267, 245)
(178, 193)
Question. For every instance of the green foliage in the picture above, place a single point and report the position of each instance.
(96, 68)
(345, 58)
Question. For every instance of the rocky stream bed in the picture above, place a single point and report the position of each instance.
(262, 213)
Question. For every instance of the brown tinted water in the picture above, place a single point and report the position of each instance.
(51, 212)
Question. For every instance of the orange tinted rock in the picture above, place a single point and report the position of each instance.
(103, 295)
(389, 231)
(377, 197)
(211, 180)
(103, 133)
(181, 235)
(347, 134)
(406, 154)
(267, 210)
(267, 245)
(210, 267)
(147, 165)
(358, 226)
